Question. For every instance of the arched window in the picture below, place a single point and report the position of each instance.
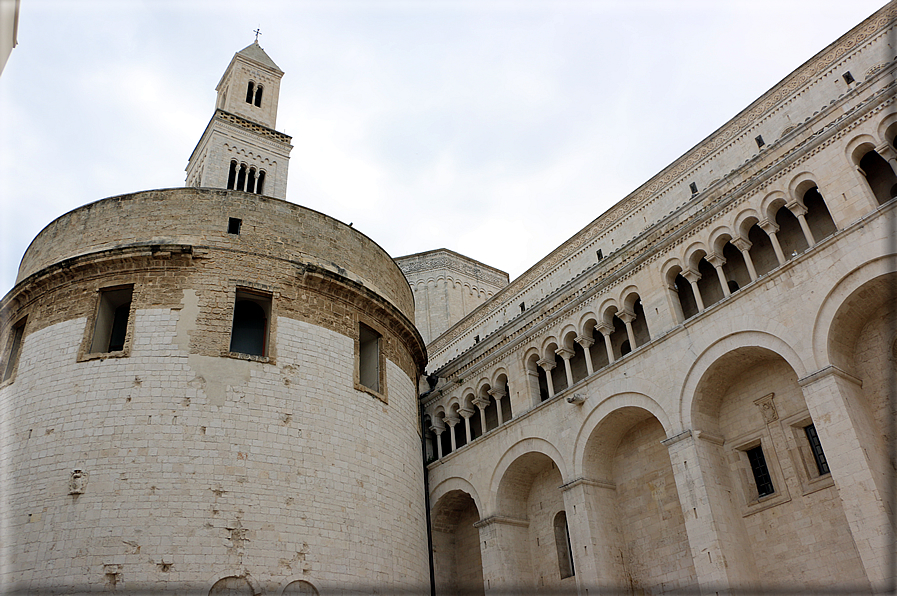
(818, 217)
(562, 542)
(241, 177)
(232, 175)
(250, 92)
(791, 237)
(260, 183)
(258, 96)
(879, 176)
(250, 180)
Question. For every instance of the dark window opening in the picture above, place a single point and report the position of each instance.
(241, 177)
(250, 181)
(258, 96)
(250, 90)
(232, 175)
(111, 327)
(848, 78)
(818, 217)
(760, 470)
(476, 339)
(522, 306)
(600, 254)
(686, 297)
(733, 286)
(260, 183)
(562, 542)
(17, 333)
(759, 140)
(368, 357)
(694, 188)
(625, 348)
(250, 327)
(233, 225)
(816, 447)
(879, 176)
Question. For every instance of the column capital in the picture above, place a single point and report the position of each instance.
(716, 260)
(437, 428)
(481, 402)
(565, 353)
(886, 151)
(498, 393)
(467, 412)
(626, 315)
(741, 244)
(604, 328)
(585, 342)
(691, 275)
(797, 208)
(547, 364)
(452, 420)
(770, 227)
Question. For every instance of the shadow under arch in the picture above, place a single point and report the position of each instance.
(457, 558)
(733, 344)
(519, 463)
(455, 484)
(600, 415)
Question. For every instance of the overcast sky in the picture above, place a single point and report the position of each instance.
(495, 129)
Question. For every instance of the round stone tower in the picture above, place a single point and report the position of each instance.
(210, 389)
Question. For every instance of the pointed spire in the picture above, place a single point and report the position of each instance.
(255, 53)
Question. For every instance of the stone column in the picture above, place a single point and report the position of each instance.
(586, 343)
(547, 365)
(888, 155)
(745, 247)
(606, 331)
(482, 403)
(856, 455)
(676, 303)
(800, 212)
(770, 227)
(717, 261)
(466, 413)
(498, 394)
(719, 544)
(566, 354)
(693, 276)
(504, 546)
(595, 539)
(438, 429)
(627, 316)
(452, 421)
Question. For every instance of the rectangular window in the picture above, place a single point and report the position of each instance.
(368, 357)
(760, 470)
(816, 447)
(111, 327)
(18, 331)
(249, 333)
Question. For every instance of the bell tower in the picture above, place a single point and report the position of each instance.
(240, 149)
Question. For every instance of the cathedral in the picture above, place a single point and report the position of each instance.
(211, 390)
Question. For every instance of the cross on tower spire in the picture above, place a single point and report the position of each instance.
(257, 33)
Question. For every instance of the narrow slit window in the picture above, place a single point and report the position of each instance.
(250, 91)
(111, 327)
(693, 187)
(760, 471)
(759, 140)
(848, 78)
(562, 542)
(15, 347)
(368, 357)
(816, 447)
(232, 175)
(249, 334)
(258, 96)
(260, 183)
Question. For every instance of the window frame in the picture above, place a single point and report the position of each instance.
(802, 454)
(380, 392)
(266, 301)
(13, 351)
(746, 484)
(99, 313)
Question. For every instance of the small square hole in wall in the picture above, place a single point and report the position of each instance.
(233, 225)
(759, 140)
(694, 188)
(848, 78)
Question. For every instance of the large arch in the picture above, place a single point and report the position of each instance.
(724, 345)
(519, 449)
(457, 559)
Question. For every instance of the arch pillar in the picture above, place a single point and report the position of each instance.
(693, 277)
(628, 317)
(566, 354)
(606, 331)
(771, 228)
(800, 212)
(481, 404)
(498, 394)
(466, 413)
(594, 536)
(547, 366)
(504, 546)
(717, 261)
(716, 535)
(586, 343)
(452, 421)
(858, 467)
(744, 246)
(438, 429)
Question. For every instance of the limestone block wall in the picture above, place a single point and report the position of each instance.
(175, 462)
